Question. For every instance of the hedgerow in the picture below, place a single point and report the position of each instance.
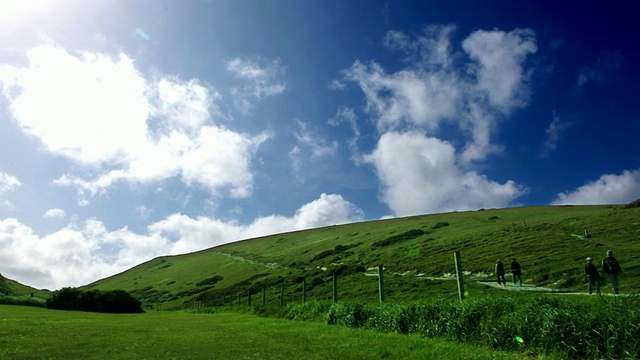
(594, 327)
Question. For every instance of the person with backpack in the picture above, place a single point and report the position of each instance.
(612, 268)
(591, 271)
(516, 271)
(500, 272)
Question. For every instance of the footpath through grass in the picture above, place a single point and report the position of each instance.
(36, 333)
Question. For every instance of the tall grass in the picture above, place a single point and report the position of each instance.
(593, 327)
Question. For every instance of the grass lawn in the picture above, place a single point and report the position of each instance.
(36, 333)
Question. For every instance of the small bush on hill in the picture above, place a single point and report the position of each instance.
(114, 301)
(633, 204)
(409, 235)
(440, 225)
(210, 281)
(337, 250)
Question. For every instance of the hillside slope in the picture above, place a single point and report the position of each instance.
(550, 242)
(10, 287)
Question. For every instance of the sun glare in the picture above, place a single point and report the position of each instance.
(14, 13)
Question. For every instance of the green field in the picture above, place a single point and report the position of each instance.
(36, 333)
(416, 252)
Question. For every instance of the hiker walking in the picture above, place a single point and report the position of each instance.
(516, 272)
(500, 273)
(612, 268)
(593, 276)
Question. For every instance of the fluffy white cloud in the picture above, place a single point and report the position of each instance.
(201, 232)
(100, 111)
(420, 174)
(439, 87)
(89, 107)
(55, 213)
(7, 182)
(81, 253)
(471, 91)
(498, 68)
(608, 189)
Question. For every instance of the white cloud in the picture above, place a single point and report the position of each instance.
(317, 145)
(309, 146)
(7, 184)
(408, 97)
(499, 64)
(100, 111)
(471, 90)
(438, 87)
(55, 213)
(90, 108)
(420, 174)
(608, 189)
(553, 135)
(257, 79)
(79, 254)
(194, 234)
(349, 116)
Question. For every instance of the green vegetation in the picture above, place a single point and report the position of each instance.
(34, 333)
(586, 328)
(113, 301)
(550, 242)
(11, 288)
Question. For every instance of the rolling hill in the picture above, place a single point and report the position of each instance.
(551, 243)
(13, 288)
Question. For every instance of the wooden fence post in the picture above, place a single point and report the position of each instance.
(458, 262)
(335, 288)
(381, 283)
(249, 298)
(304, 290)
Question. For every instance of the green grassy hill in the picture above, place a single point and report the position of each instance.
(551, 243)
(10, 287)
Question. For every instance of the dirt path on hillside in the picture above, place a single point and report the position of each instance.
(527, 287)
(260, 263)
(508, 287)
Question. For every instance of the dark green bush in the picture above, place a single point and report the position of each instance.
(408, 235)
(114, 301)
(210, 281)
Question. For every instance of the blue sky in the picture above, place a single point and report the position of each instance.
(135, 129)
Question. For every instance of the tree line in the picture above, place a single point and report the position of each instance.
(112, 301)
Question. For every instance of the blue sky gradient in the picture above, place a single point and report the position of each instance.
(130, 130)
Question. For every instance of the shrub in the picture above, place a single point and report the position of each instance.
(114, 301)
(633, 204)
(210, 281)
(440, 224)
(409, 235)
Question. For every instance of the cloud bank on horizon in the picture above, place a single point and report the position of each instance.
(116, 148)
